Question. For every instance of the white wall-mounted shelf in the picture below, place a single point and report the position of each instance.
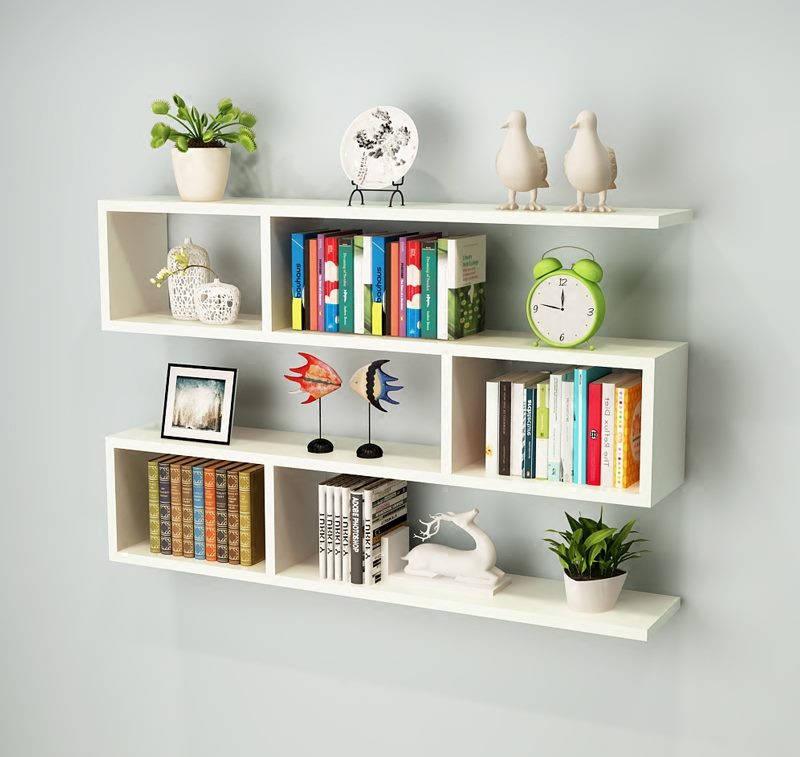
(133, 242)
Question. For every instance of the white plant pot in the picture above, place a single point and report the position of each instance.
(216, 303)
(599, 595)
(201, 173)
(182, 287)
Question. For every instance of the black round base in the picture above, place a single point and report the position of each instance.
(319, 446)
(369, 451)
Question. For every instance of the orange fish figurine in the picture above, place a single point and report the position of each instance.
(317, 379)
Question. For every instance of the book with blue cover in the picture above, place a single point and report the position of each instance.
(380, 260)
(299, 278)
(199, 510)
(582, 378)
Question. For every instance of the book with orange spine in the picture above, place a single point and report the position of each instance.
(311, 285)
(393, 289)
(628, 432)
(210, 507)
(251, 515)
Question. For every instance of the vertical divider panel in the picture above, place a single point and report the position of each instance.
(267, 295)
(447, 439)
(269, 518)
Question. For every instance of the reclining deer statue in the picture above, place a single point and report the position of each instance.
(474, 566)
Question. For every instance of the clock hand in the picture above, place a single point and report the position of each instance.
(562, 299)
(554, 307)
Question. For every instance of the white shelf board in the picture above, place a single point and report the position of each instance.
(421, 212)
(413, 462)
(247, 328)
(140, 554)
(535, 601)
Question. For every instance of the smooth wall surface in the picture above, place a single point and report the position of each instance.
(699, 101)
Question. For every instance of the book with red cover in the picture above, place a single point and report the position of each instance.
(311, 285)
(210, 506)
(594, 433)
(393, 289)
(331, 283)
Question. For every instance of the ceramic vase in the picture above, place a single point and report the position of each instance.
(217, 303)
(182, 286)
(201, 173)
(598, 595)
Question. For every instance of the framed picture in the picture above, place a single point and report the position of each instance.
(198, 403)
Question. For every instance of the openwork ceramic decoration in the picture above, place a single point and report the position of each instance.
(216, 303)
(182, 287)
(379, 147)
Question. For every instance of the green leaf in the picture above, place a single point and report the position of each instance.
(182, 143)
(599, 536)
(594, 552)
(573, 524)
(179, 101)
(225, 104)
(160, 130)
(156, 142)
(160, 107)
(183, 114)
(208, 135)
(247, 119)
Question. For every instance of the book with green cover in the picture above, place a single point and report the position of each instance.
(347, 292)
(462, 281)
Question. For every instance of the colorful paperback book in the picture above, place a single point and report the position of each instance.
(594, 420)
(251, 515)
(529, 444)
(332, 283)
(465, 286)
(413, 287)
(356, 535)
(299, 260)
(518, 405)
(628, 432)
(380, 259)
(567, 425)
(312, 284)
(430, 255)
(608, 416)
(320, 281)
(542, 427)
(347, 290)
(583, 377)
(358, 284)
(555, 468)
(492, 448)
(199, 509)
(393, 289)
(402, 286)
(365, 320)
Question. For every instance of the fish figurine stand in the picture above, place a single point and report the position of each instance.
(372, 383)
(317, 379)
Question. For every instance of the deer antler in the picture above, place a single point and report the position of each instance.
(431, 527)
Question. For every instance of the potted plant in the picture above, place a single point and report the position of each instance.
(591, 554)
(201, 158)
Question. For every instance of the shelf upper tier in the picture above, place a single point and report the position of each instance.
(420, 212)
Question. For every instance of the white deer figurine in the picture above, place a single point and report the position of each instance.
(473, 566)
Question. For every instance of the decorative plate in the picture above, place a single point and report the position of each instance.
(379, 147)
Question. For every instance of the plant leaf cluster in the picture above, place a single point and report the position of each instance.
(229, 125)
(591, 549)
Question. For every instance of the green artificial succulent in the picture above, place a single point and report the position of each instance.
(202, 129)
(591, 549)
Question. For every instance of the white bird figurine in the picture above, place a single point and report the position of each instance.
(521, 165)
(590, 166)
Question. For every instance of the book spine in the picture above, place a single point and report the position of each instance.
(567, 423)
(442, 251)
(356, 537)
(164, 508)
(594, 415)
(298, 280)
(221, 499)
(542, 428)
(414, 288)
(428, 292)
(153, 511)
(367, 540)
(366, 275)
(504, 434)
(358, 284)
(245, 518)
(311, 285)
(346, 287)
(187, 511)
(198, 513)
(517, 427)
(579, 428)
(176, 508)
(554, 472)
(257, 526)
(393, 288)
(492, 450)
(345, 534)
(529, 451)
(331, 284)
(607, 445)
(321, 242)
(402, 288)
(337, 533)
(629, 429)
(322, 531)
(330, 534)
(234, 557)
(210, 507)
(378, 286)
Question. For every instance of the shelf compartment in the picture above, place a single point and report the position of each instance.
(534, 601)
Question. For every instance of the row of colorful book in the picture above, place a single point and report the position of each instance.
(206, 509)
(354, 513)
(576, 425)
(423, 285)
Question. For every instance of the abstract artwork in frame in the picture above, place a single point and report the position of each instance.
(198, 403)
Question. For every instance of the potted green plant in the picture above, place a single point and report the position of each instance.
(591, 554)
(201, 158)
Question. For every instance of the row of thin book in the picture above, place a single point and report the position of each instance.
(411, 284)
(355, 512)
(206, 509)
(575, 425)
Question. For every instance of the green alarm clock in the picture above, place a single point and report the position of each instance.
(566, 307)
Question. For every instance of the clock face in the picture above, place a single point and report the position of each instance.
(563, 310)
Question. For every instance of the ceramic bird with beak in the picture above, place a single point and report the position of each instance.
(590, 166)
(521, 165)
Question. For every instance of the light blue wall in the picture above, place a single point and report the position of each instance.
(699, 100)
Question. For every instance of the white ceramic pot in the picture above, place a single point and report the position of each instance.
(201, 173)
(217, 303)
(598, 595)
(182, 287)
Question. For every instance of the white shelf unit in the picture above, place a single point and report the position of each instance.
(133, 242)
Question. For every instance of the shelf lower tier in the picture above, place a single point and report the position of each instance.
(533, 601)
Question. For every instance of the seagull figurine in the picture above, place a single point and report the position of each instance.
(590, 166)
(521, 165)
